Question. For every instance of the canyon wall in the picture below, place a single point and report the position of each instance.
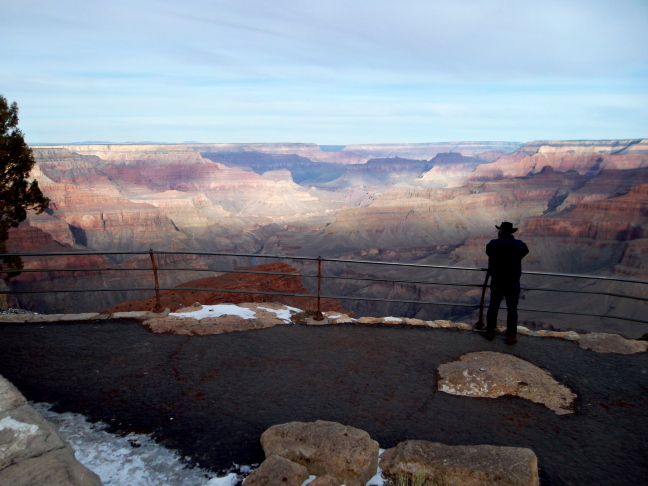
(580, 205)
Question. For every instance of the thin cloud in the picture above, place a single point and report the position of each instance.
(448, 69)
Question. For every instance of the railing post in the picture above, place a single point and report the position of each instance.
(158, 305)
(480, 326)
(318, 315)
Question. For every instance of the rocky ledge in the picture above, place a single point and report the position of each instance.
(197, 320)
(31, 450)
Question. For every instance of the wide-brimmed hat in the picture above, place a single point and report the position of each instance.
(506, 227)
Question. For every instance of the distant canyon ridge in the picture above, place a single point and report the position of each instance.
(581, 206)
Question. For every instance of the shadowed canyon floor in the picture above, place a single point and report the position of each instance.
(211, 397)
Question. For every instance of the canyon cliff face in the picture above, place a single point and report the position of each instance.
(585, 157)
(581, 206)
(350, 154)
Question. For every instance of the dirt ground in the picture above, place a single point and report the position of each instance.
(211, 397)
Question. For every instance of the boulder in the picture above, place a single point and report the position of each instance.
(56, 468)
(490, 375)
(463, 326)
(569, 335)
(443, 323)
(277, 471)
(209, 325)
(346, 453)
(326, 480)
(31, 450)
(478, 465)
(10, 397)
(368, 320)
(85, 316)
(413, 322)
(24, 434)
(602, 342)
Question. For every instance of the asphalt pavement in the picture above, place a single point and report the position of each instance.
(211, 397)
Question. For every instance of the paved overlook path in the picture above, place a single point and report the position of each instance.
(211, 397)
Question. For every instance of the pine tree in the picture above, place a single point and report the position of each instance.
(17, 194)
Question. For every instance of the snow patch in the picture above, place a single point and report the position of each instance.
(217, 311)
(131, 460)
(234, 310)
(230, 480)
(283, 314)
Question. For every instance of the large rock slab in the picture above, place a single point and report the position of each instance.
(602, 342)
(209, 325)
(326, 480)
(346, 453)
(277, 471)
(56, 468)
(31, 450)
(10, 397)
(24, 434)
(487, 374)
(477, 465)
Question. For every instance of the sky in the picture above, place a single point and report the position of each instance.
(327, 72)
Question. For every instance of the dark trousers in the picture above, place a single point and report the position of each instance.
(511, 292)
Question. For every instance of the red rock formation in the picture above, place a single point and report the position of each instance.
(581, 156)
(175, 299)
(618, 218)
(634, 261)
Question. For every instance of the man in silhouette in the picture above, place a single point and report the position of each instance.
(505, 256)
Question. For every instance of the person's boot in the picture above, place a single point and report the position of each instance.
(490, 335)
(511, 340)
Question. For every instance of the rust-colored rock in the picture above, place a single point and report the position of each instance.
(602, 342)
(213, 325)
(176, 299)
(346, 453)
(487, 374)
(477, 465)
(277, 471)
(326, 480)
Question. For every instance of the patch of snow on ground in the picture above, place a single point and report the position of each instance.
(217, 311)
(283, 314)
(132, 460)
(137, 460)
(378, 479)
(234, 310)
(230, 480)
(392, 319)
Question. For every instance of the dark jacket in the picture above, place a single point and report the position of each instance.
(505, 256)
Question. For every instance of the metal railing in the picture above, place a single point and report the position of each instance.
(320, 276)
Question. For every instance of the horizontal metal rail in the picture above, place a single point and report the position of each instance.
(314, 259)
(451, 284)
(148, 269)
(417, 282)
(319, 275)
